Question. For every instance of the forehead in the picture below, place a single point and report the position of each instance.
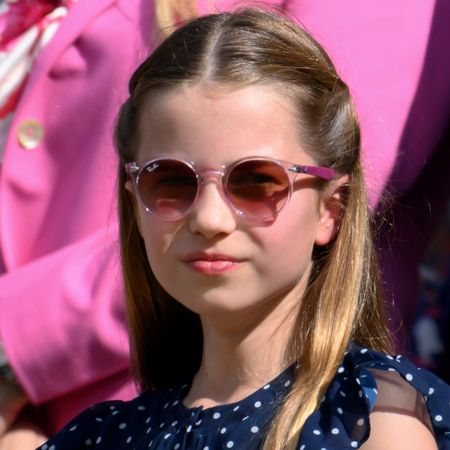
(218, 124)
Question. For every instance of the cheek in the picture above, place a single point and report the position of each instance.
(157, 238)
(289, 242)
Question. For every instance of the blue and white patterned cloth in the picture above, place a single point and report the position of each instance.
(159, 420)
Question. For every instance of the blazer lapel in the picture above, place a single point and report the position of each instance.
(79, 16)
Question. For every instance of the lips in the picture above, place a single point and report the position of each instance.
(204, 256)
(212, 263)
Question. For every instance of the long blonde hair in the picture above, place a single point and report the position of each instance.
(343, 301)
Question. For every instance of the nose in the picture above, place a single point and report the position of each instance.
(211, 216)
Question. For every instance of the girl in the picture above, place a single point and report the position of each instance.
(253, 295)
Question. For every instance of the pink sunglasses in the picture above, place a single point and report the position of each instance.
(255, 188)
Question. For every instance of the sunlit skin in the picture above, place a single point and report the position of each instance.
(246, 311)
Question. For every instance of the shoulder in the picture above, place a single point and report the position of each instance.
(404, 406)
(108, 425)
(399, 418)
(380, 401)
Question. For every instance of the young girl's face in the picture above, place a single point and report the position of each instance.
(257, 269)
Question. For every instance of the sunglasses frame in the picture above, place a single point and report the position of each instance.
(134, 170)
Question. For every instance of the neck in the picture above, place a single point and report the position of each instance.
(238, 360)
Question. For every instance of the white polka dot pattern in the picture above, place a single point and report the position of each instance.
(159, 420)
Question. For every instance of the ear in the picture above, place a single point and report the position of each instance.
(129, 186)
(330, 210)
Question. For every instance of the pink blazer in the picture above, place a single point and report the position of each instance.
(380, 49)
(61, 302)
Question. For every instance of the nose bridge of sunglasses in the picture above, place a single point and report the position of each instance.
(211, 175)
(215, 176)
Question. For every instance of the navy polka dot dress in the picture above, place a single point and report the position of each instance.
(159, 420)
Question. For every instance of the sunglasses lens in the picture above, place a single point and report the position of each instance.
(167, 188)
(258, 189)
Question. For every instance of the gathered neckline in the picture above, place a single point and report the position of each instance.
(280, 384)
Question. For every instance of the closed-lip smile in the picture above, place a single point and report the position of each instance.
(211, 263)
(204, 256)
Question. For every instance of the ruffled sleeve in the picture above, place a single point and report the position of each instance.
(342, 421)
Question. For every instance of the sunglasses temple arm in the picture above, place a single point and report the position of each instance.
(326, 173)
